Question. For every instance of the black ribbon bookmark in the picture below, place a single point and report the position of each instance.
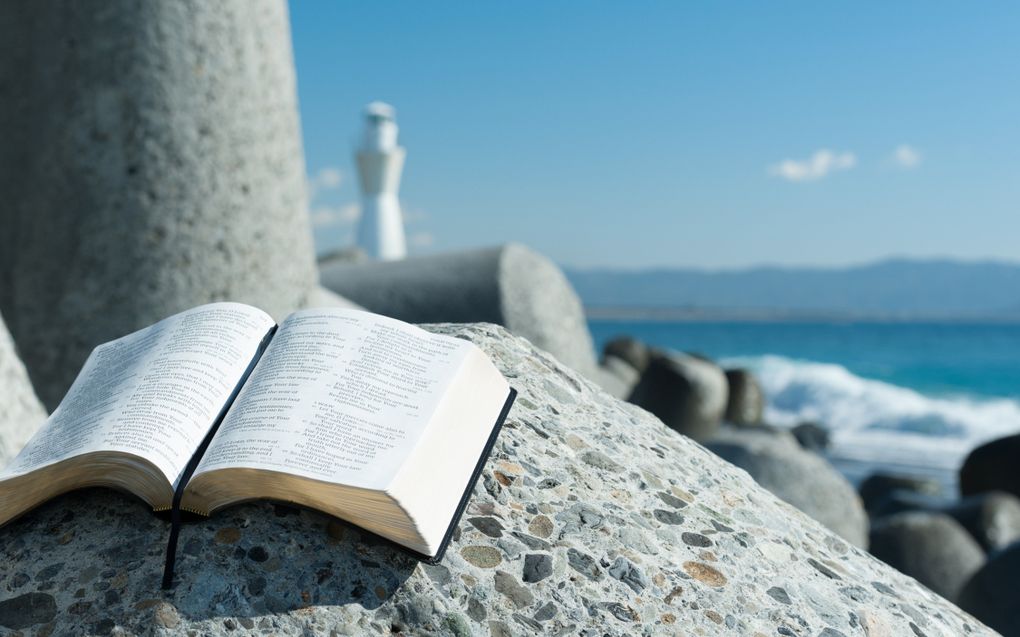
(175, 509)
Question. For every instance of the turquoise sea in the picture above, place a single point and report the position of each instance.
(910, 395)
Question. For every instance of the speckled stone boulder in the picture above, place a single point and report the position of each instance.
(591, 518)
(931, 547)
(686, 392)
(991, 595)
(21, 413)
(746, 401)
(802, 478)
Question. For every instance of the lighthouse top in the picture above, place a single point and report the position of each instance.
(380, 133)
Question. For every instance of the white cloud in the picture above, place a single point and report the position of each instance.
(323, 216)
(328, 178)
(422, 239)
(819, 165)
(906, 156)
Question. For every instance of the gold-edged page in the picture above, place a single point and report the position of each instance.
(340, 396)
(154, 393)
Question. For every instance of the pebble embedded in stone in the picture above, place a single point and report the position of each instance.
(779, 594)
(508, 585)
(488, 526)
(227, 535)
(166, 615)
(823, 569)
(671, 500)
(258, 554)
(695, 539)
(475, 610)
(628, 573)
(541, 526)
(537, 567)
(583, 564)
(27, 610)
(600, 460)
(482, 556)
(546, 612)
(668, 517)
(704, 573)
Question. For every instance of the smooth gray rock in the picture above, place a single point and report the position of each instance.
(899, 501)
(687, 393)
(993, 519)
(811, 436)
(508, 285)
(878, 487)
(991, 594)
(992, 467)
(930, 547)
(804, 479)
(746, 401)
(629, 349)
(667, 539)
(151, 161)
(21, 413)
(617, 377)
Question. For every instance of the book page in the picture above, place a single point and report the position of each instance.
(154, 393)
(340, 395)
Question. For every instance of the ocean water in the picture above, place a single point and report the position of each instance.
(911, 398)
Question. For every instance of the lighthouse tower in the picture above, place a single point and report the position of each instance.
(380, 162)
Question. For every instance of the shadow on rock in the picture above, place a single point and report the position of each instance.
(93, 559)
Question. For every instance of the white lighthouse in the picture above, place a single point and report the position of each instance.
(380, 162)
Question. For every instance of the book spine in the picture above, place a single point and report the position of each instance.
(175, 509)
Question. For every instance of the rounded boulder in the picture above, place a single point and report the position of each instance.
(992, 467)
(930, 547)
(688, 394)
(878, 487)
(991, 594)
(746, 402)
(801, 478)
(631, 350)
(509, 285)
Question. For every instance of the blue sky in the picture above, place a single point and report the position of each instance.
(676, 134)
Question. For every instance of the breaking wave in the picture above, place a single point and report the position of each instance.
(878, 421)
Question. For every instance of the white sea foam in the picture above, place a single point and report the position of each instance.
(879, 422)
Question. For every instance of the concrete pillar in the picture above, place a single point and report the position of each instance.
(21, 413)
(150, 161)
(509, 285)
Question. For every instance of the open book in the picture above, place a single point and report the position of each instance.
(357, 415)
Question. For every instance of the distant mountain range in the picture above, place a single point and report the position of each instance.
(891, 289)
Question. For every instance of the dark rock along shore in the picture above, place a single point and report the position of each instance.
(591, 518)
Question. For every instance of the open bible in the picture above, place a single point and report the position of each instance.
(360, 416)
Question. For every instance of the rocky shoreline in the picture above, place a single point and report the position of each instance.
(959, 546)
(592, 518)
